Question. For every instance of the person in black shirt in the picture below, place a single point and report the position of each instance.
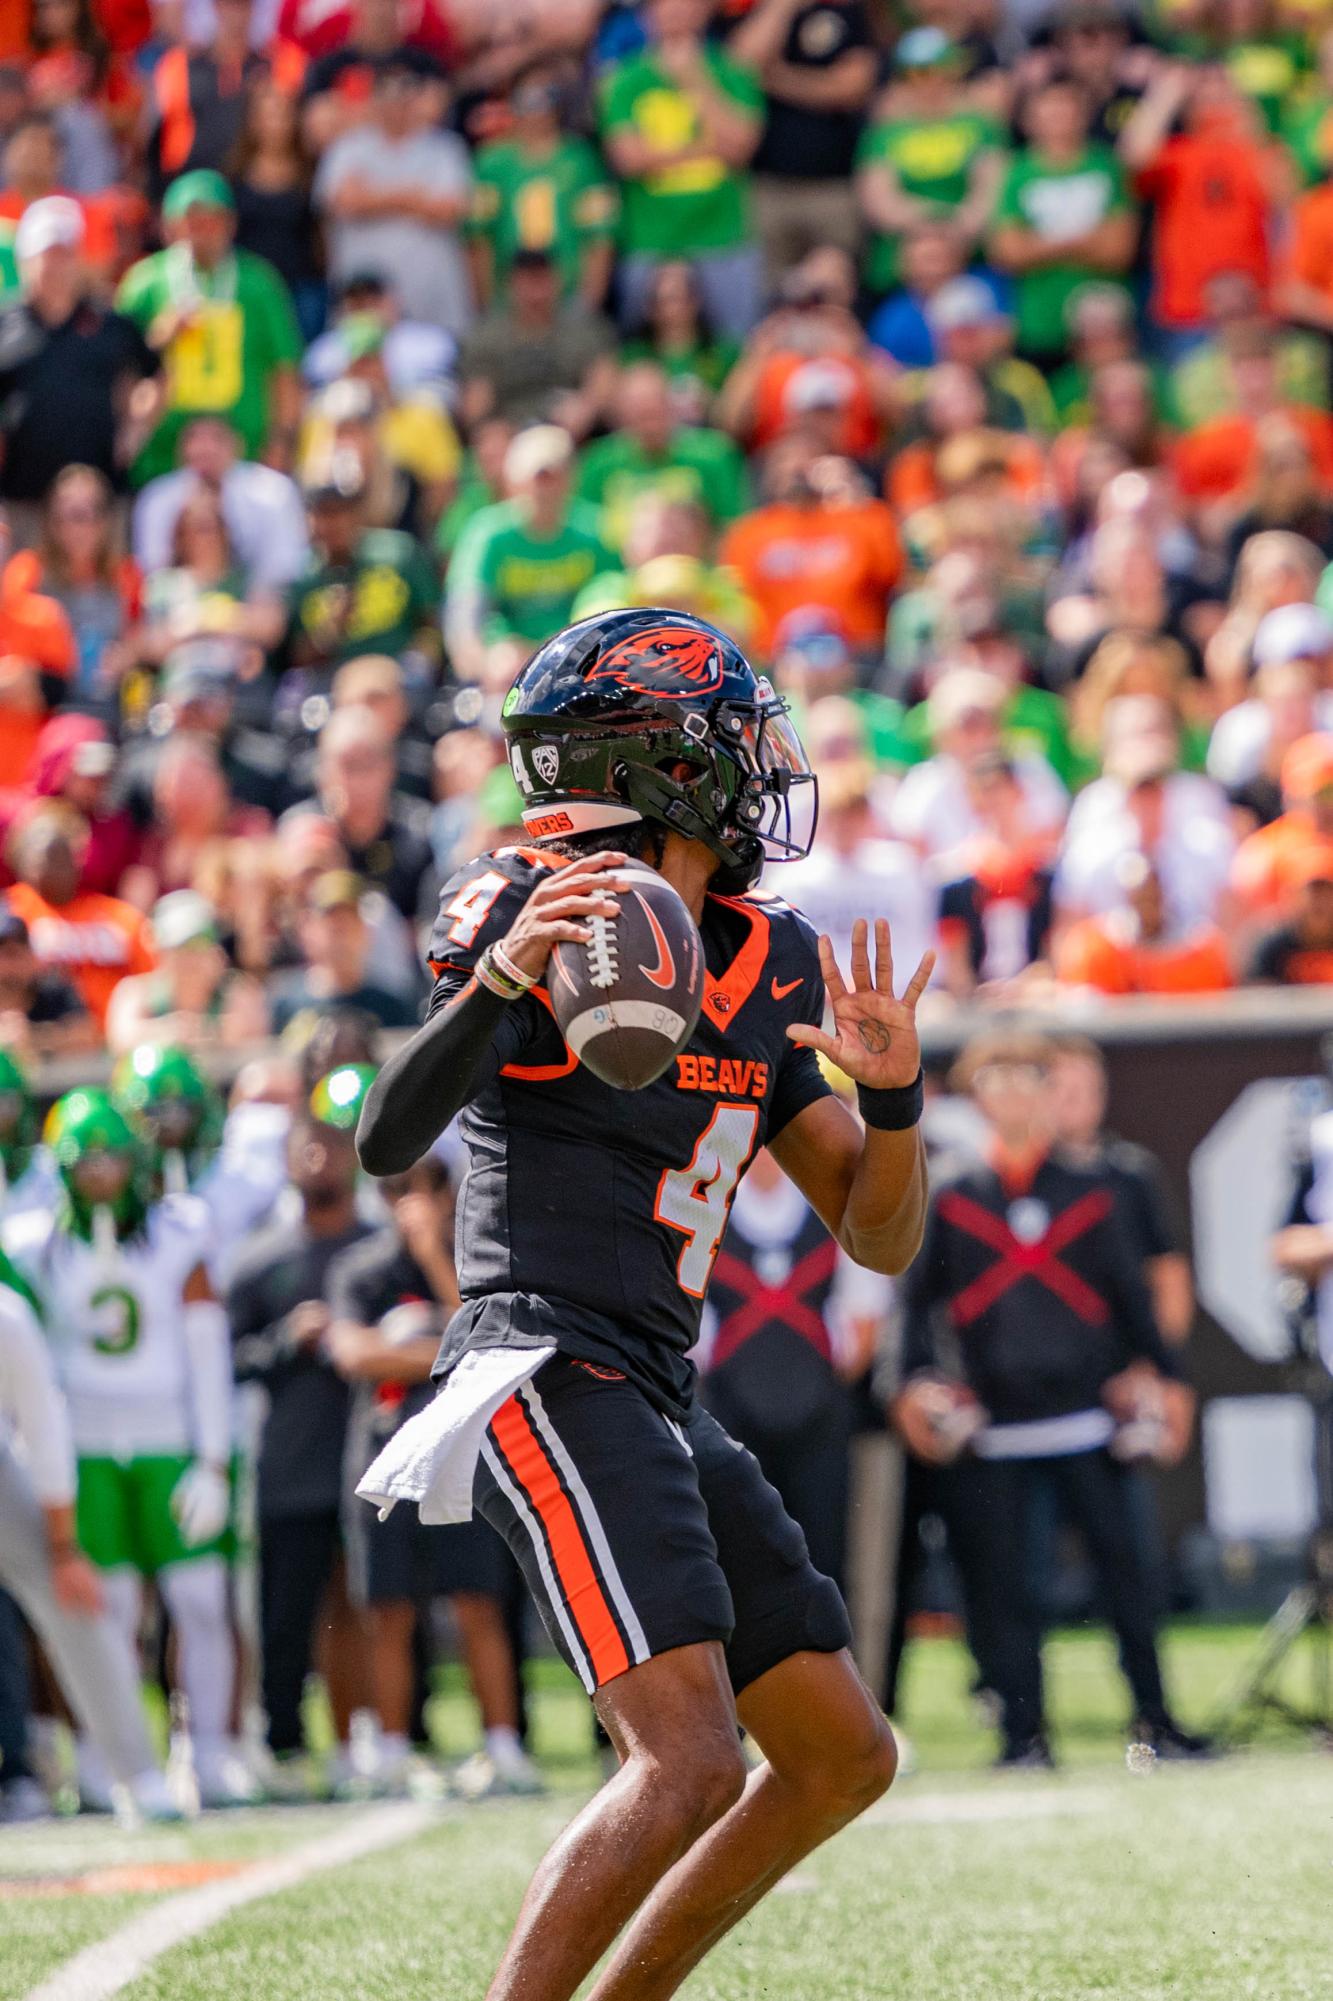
(1299, 952)
(816, 61)
(278, 1308)
(337, 942)
(383, 831)
(78, 383)
(1028, 1264)
(41, 1012)
(1078, 1104)
(388, 1297)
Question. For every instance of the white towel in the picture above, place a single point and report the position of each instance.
(432, 1460)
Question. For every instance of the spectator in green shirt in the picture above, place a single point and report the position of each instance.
(931, 156)
(650, 452)
(223, 323)
(520, 565)
(680, 122)
(541, 188)
(365, 590)
(1064, 216)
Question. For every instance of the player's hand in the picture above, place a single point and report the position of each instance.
(556, 907)
(874, 1040)
(201, 1503)
(936, 1419)
(307, 1324)
(76, 1584)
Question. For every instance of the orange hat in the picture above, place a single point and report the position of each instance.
(1307, 767)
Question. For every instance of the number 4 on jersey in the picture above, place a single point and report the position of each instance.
(696, 1199)
(471, 904)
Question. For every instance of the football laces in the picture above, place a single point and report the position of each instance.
(603, 952)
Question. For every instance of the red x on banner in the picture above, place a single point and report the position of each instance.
(1018, 1260)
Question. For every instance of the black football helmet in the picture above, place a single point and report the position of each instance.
(604, 714)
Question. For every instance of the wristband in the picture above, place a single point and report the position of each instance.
(892, 1111)
(505, 966)
(495, 979)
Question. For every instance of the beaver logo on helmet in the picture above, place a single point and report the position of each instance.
(676, 662)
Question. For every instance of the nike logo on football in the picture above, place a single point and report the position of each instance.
(780, 993)
(663, 974)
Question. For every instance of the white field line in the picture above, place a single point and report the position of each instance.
(109, 1965)
(944, 1809)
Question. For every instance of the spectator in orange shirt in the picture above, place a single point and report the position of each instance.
(1217, 187)
(811, 359)
(36, 661)
(1132, 951)
(822, 540)
(1219, 461)
(95, 940)
(961, 452)
(1305, 287)
(1269, 862)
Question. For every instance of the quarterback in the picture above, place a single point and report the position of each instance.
(667, 1570)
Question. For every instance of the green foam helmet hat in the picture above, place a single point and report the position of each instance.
(337, 1099)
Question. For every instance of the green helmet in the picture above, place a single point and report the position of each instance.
(337, 1099)
(18, 1119)
(85, 1125)
(171, 1105)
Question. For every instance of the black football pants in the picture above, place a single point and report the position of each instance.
(811, 1469)
(296, 1559)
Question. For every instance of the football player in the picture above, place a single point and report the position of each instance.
(142, 1351)
(23, 1183)
(236, 1164)
(668, 1572)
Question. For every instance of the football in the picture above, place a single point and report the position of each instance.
(629, 998)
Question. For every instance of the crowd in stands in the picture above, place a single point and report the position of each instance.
(969, 365)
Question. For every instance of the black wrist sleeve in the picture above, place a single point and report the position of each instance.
(466, 1039)
(892, 1111)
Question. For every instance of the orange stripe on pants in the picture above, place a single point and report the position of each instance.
(578, 1579)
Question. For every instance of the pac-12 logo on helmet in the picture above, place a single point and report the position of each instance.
(546, 762)
(677, 662)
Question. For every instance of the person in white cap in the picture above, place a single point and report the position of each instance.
(1292, 655)
(521, 564)
(77, 382)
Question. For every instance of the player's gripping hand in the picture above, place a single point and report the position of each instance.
(580, 890)
(201, 1503)
(874, 1040)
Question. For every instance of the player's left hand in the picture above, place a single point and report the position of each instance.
(201, 1503)
(874, 1040)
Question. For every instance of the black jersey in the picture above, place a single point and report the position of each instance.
(590, 1217)
(1042, 1288)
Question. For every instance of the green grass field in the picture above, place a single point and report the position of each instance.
(1202, 1883)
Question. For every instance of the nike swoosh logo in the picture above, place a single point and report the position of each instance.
(780, 993)
(663, 974)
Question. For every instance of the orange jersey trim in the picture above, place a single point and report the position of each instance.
(724, 998)
(575, 1570)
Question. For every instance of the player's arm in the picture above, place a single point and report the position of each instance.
(468, 1036)
(868, 1185)
(31, 1398)
(201, 1499)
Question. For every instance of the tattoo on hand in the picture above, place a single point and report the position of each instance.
(874, 1036)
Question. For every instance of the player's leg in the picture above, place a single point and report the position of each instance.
(828, 1755)
(108, 1536)
(468, 1564)
(597, 1495)
(673, 1724)
(1095, 1489)
(97, 1671)
(828, 1749)
(295, 1558)
(194, 1592)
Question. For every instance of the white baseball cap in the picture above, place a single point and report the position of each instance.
(541, 448)
(54, 221)
(1292, 632)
